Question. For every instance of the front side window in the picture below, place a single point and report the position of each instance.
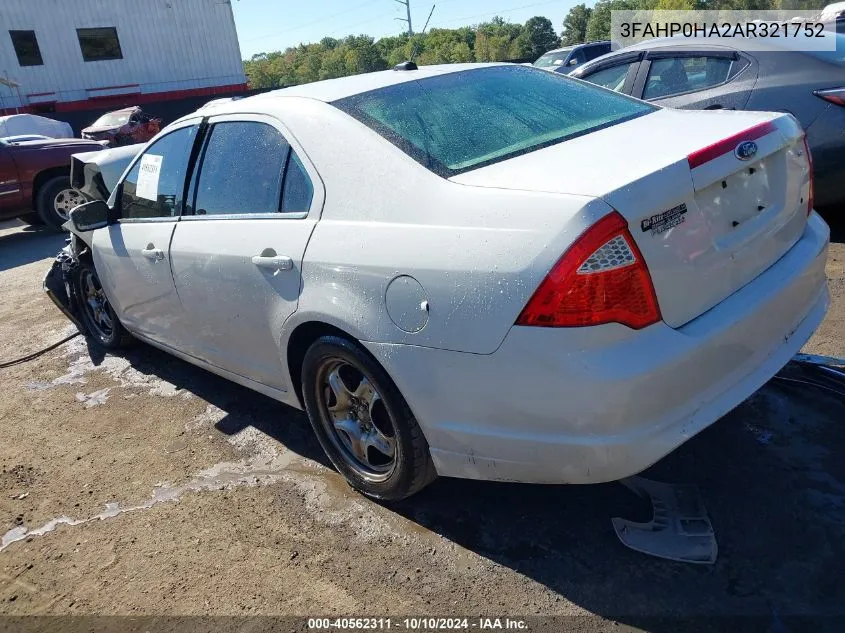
(460, 121)
(99, 44)
(675, 75)
(242, 168)
(613, 77)
(155, 185)
(26, 48)
(577, 59)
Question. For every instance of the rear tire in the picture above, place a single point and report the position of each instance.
(55, 200)
(362, 421)
(95, 312)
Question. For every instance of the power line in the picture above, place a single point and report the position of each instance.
(407, 4)
(313, 22)
(500, 11)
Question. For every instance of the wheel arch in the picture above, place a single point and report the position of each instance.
(300, 339)
(45, 176)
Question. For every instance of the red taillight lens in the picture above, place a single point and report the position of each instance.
(602, 278)
(811, 193)
(834, 95)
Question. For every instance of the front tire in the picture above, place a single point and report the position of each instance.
(362, 421)
(96, 313)
(55, 200)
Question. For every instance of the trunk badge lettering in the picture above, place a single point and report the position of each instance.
(746, 150)
(662, 222)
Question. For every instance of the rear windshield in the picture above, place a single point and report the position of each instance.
(465, 120)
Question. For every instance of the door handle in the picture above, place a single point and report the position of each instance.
(276, 262)
(155, 254)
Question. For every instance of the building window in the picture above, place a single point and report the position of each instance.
(99, 44)
(26, 48)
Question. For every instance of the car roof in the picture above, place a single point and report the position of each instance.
(333, 89)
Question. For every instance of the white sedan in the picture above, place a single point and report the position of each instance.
(480, 271)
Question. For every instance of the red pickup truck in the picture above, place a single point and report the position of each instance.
(34, 180)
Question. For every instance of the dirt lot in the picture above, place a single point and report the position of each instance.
(172, 491)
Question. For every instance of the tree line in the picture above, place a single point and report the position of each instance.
(496, 40)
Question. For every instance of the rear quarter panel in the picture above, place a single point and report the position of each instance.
(479, 254)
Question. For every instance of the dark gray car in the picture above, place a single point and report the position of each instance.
(565, 60)
(701, 74)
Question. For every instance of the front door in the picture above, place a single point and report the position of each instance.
(132, 254)
(237, 256)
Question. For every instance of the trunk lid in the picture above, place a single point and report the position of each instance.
(706, 221)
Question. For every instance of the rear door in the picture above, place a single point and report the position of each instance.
(131, 254)
(696, 79)
(237, 255)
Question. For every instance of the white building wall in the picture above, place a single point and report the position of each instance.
(166, 44)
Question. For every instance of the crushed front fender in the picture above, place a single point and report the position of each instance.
(58, 286)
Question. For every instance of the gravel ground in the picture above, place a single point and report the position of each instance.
(146, 486)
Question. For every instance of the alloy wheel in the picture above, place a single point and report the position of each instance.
(66, 201)
(356, 419)
(96, 305)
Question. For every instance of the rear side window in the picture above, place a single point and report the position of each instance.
(613, 77)
(675, 75)
(298, 191)
(248, 167)
(241, 170)
(460, 121)
(154, 186)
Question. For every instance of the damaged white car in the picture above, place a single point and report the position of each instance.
(476, 271)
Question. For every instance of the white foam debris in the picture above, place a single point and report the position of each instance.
(93, 399)
(254, 471)
(120, 370)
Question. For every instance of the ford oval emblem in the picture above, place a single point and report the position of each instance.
(746, 150)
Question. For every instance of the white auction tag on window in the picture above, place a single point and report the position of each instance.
(148, 174)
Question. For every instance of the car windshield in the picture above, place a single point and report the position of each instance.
(460, 121)
(113, 119)
(553, 58)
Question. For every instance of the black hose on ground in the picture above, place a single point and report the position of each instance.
(34, 355)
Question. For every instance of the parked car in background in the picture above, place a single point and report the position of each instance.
(703, 75)
(562, 289)
(34, 180)
(123, 127)
(33, 125)
(565, 60)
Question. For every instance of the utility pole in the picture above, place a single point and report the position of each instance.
(407, 4)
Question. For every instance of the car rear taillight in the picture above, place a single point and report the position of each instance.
(834, 95)
(811, 193)
(601, 278)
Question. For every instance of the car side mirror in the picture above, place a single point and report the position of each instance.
(90, 216)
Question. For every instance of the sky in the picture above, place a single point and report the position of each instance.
(272, 25)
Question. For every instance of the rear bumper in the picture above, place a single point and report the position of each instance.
(598, 404)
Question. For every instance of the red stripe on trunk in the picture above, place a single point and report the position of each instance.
(720, 148)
